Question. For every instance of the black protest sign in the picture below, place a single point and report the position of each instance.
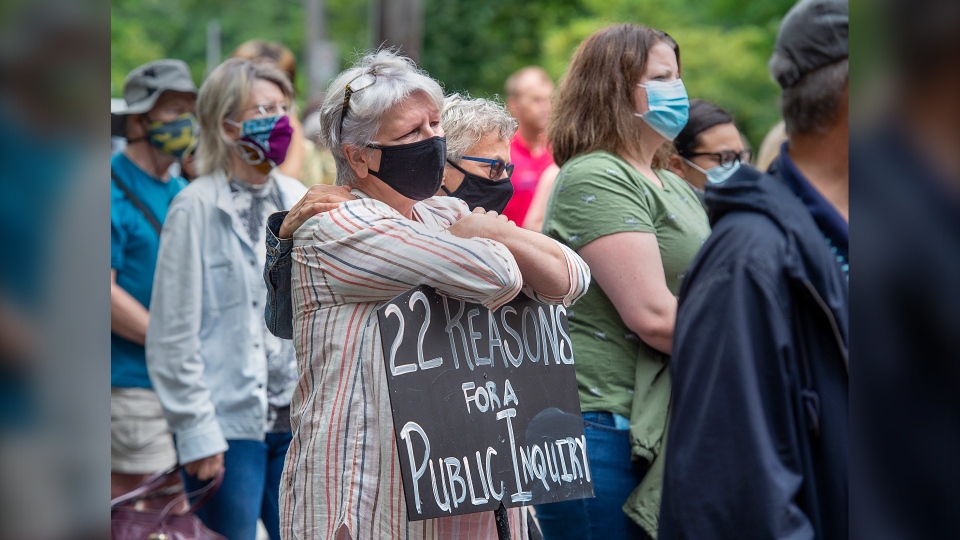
(484, 403)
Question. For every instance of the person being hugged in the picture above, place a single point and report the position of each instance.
(381, 120)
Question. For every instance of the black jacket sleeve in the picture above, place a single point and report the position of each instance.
(732, 467)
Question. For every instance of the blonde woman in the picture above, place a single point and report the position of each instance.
(224, 381)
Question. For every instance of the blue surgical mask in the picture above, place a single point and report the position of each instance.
(718, 174)
(668, 108)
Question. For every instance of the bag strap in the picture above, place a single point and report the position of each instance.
(157, 480)
(148, 485)
(154, 222)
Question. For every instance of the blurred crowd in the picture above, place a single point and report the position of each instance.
(707, 283)
(236, 290)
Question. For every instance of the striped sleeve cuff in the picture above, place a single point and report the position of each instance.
(579, 274)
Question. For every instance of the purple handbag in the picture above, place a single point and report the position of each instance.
(128, 523)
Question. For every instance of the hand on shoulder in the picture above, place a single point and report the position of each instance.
(318, 199)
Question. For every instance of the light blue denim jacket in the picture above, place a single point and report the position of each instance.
(278, 310)
(205, 354)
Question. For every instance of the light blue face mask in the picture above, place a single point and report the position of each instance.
(718, 174)
(668, 108)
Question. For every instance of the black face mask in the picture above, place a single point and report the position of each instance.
(413, 170)
(478, 191)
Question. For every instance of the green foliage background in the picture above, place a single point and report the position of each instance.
(473, 45)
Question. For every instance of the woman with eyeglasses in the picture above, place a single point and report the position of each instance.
(638, 226)
(381, 121)
(709, 148)
(224, 381)
(477, 171)
(478, 168)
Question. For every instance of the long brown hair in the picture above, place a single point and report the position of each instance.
(593, 108)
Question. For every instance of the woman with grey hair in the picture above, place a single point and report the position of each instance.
(224, 381)
(477, 171)
(478, 152)
(381, 120)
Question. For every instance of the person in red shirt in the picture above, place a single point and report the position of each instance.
(528, 100)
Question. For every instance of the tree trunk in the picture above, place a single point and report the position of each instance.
(398, 24)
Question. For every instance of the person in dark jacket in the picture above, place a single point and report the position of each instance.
(758, 428)
(905, 171)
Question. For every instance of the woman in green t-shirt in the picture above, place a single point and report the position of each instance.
(638, 226)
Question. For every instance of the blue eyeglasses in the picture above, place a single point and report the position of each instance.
(497, 166)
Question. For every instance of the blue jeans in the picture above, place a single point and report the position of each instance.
(615, 476)
(277, 444)
(250, 489)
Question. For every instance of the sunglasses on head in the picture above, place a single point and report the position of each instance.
(360, 82)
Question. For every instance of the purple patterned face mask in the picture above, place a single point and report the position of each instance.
(264, 139)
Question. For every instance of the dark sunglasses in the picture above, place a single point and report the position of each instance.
(496, 166)
(727, 158)
(364, 81)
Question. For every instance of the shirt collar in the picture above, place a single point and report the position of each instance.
(828, 220)
(258, 190)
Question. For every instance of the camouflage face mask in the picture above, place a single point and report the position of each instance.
(174, 138)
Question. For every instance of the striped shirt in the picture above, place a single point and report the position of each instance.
(342, 469)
